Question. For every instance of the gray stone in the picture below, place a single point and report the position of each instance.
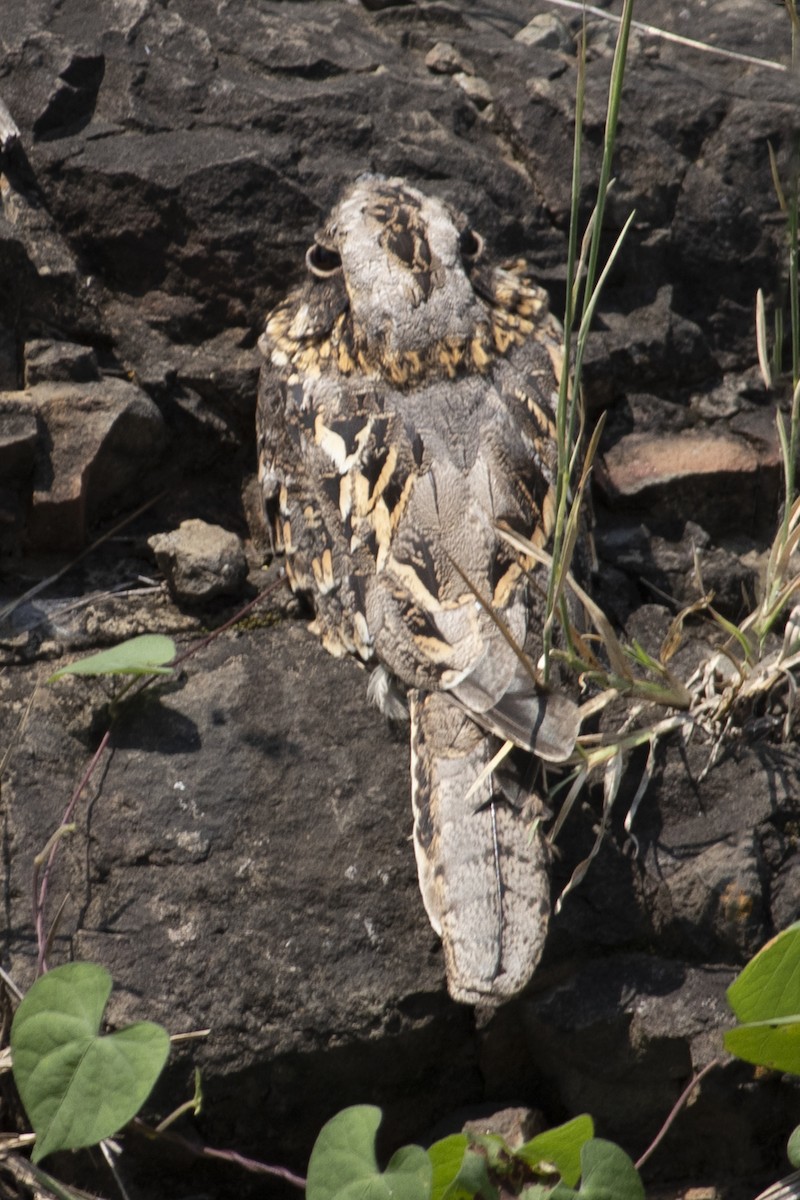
(444, 59)
(548, 31)
(200, 561)
(476, 88)
(682, 567)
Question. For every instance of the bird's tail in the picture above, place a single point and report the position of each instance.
(481, 856)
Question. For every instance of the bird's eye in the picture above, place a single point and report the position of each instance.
(470, 243)
(322, 261)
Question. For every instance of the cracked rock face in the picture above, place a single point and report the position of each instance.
(242, 861)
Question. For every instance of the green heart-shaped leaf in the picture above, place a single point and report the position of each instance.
(343, 1165)
(766, 998)
(78, 1087)
(606, 1174)
(144, 655)
(459, 1172)
(793, 1148)
(559, 1148)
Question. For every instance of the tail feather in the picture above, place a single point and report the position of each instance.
(482, 861)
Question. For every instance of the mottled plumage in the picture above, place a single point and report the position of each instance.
(406, 407)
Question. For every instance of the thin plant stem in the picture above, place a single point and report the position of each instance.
(791, 8)
(569, 411)
(679, 39)
(35, 1179)
(612, 117)
(107, 1150)
(141, 684)
(679, 1104)
(9, 982)
(50, 852)
(272, 586)
(790, 464)
(188, 1106)
(591, 303)
(45, 583)
(253, 1166)
(562, 419)
(794, 300)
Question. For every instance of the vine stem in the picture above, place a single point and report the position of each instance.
(255, 1167)
(209, 1153)
(272, 586)
(51, 850)
(676, 1108)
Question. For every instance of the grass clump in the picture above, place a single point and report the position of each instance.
(749, 668)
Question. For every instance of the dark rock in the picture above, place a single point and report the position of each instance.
(200, 561)
(714, 900)
(72, 101)
(680, 566)
(9, 366)
(19, 432)
(645, 349)
(626, 1049)
(59, 362)
(271, 860)
(12, 520)
(378, 5)
(99, 436)
(248, 868)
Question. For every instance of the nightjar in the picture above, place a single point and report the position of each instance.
(406, 408)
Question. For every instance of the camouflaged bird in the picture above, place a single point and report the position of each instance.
(406, 408)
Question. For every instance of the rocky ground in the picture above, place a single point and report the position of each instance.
(242, 861)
